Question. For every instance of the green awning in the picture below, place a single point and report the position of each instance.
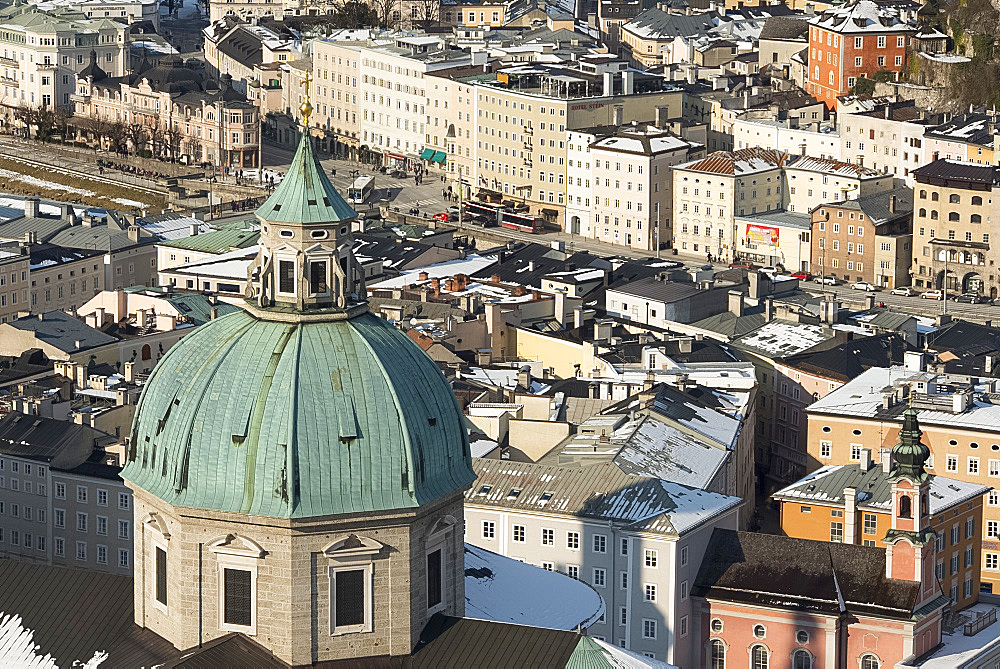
(426, 154)
(439, 157)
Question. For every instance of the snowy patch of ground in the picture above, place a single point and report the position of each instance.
(43, 183)
(125, 202)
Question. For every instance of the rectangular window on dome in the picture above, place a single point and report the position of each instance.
(286, 276)
(161, 576)
(349, 598)
(317, 277)
(238, 597)
(434, 593)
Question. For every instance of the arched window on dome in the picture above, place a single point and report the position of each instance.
(801, 660)
(718, 655)
(904, 507)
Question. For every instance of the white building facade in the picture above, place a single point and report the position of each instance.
(642, 566)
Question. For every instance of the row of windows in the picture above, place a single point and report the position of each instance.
(83, 496)
(37, 542)
(599, 545)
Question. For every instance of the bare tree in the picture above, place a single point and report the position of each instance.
(137, 137)
(155, 134)
(387, 12)
(117, 137)
(172, 138)
(424, 13)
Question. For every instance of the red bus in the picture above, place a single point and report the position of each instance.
(482, 213)
(522, 222)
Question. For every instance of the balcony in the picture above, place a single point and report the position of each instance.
(46, 66)
(9, 62)
(9, 81)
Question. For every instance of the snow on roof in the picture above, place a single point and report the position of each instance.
(737, 163)
(229, 265)
(469, 265)
(861, 17)
(827, 484)
(958, 650)
(828, 166)
(650, 447)
(600, 491)
(170, 227)
(502, 378)
(863, 397)
(637, 144)
(783, 338)
(12, 207)
(506, 590)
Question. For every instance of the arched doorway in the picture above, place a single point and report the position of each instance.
(972, 283)
(574, 225)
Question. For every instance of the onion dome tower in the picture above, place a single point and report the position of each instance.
(298, 467)
(910, 543)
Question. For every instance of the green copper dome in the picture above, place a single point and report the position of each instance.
(298, 419)
(910, 454)
(305, 195)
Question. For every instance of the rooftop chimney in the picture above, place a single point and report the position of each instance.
(195, 228)
(850, 515)
(892, 204)
(660, 120)
(736, 302)
(31, 206)
(619, 114)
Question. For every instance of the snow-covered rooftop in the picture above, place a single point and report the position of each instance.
(783, 338)
(863, 397)
(506, 590)
(469, 265)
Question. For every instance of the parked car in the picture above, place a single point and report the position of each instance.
(827, 280)
(770, 269)
(969, 298)
(453, 210)
(742, 265)
(905, 291)
(932, 295)
(802, 276)
(442, 216)
(865, 286)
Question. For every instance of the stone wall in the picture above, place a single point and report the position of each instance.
(293, 576)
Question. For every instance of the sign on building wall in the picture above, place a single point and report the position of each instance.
(761, 234)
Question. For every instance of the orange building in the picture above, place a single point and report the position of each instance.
(852, 504)
(855, 40)
(762, 600)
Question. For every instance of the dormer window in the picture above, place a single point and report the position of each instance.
(287, 234)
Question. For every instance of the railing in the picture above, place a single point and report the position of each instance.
(979, 624)
(9, 62)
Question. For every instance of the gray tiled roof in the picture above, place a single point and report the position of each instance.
(62, 331)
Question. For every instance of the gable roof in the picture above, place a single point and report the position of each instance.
(848, 360)
(61, 331)
(802, 575)
(76, 613)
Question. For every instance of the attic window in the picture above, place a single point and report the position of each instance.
(546, 496)
(318, 234)
(343, 230)
(856, 432)
(277, 207)
(514, 492)
(432, 421)
(826, 428)
(287, 234)
(485, 489)
(326, 201)
(953, 443)
(311, 203)
(973, 445)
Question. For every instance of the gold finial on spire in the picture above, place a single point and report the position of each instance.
(306, 108)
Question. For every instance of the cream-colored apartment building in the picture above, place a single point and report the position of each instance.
(336, 73)
(521, 131)
(710, 193)
(961, 430)
(814, 181)
(14, 267)
(632, 185)
(953, 211)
